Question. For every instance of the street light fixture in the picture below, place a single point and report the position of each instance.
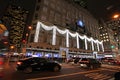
(29, 27)
(28, 33)
(116, 16)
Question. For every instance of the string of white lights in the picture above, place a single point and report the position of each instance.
(54, 36)
(77, 41)
(37, 32)
(67, 32)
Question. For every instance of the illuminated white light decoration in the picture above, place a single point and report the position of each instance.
(102, 46)
(98, 47)
(61, 31)
(46, 27)
(81, 37)
(67, 32)
(37, 32)
(77, 40)
(92, 44)
(67, 38)
(85, 42)
(54, 36)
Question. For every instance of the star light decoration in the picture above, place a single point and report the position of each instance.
(67, 32)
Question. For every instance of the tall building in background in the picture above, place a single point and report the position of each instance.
(114, 24)
(109, 36)
(15, 19)
(64, 14)
(82, 3)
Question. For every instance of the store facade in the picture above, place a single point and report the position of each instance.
(50, 41)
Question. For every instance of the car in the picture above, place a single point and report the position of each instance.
(117, 62)
(1, 66)
(90, 63)
(28, 65)
(109, 61)
(117, 76)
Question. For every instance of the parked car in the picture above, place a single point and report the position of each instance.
(1, 66)
(89, 63)
(76, 60)
(117, 62)
(27, 65)
(109, 61)
(117, 75)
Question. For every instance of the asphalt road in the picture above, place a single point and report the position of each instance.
(68, 72)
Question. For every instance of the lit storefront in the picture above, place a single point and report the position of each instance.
(68, 45)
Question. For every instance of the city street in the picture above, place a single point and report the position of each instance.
(68, 72)
(73, 39)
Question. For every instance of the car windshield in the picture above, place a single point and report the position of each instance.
(94, 60)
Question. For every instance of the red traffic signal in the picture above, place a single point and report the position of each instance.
(24, 41)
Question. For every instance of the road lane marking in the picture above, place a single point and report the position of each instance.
(98, 76)
(91, 74)
(72, 74)
(111, 70)
(64, 75)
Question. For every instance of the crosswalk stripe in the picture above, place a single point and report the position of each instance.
(103, 76)
(98, 76)
(91, 74)
(107, 77)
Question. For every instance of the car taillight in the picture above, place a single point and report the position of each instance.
(1, 62)
(84, 61)
(19, 63)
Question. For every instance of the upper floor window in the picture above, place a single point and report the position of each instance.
(38, 7)
(46, 2)
(45, 9)
(39, 1)
(36, 16)
(32, 38)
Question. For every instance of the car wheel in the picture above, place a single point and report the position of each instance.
(27, 70)
(56, 68)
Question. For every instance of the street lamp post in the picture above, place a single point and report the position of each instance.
(27, 36)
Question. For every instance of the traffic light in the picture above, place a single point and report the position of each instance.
(24, 41)
(112, 46)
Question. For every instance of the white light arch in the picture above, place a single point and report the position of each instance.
(67, 32)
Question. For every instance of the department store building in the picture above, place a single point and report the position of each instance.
(62, 29)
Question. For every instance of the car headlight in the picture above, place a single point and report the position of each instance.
(58, 63)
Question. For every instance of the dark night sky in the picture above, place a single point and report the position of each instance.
(27, 4)
(99, 8)
(104, 8)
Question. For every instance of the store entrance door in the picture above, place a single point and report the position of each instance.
(64, 52)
